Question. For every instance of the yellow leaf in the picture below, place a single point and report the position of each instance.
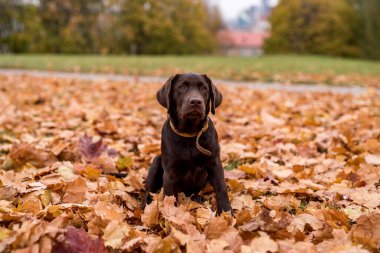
(66, 172)
(55, 210)
(4, 233)
(124, 162)
(115, 232)
(92, 173)
(46, 197)
(30, 206)
(204, 215)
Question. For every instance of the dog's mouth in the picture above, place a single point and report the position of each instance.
(193, 114)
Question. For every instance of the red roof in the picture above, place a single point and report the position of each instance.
(242, 38)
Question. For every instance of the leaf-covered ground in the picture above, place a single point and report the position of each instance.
(302, 171)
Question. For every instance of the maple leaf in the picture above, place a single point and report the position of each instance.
(261, 244)
(77, 240)
(108, 211)
(372, 159)
(367, 231)
(75, 191)
(216, 227)
(91, 150)
(178, 215)
(124, 162)
(23, 153)
(150, 215)
(301, 220)
(290, 246)
(217, 245)
(340, 243)
(31, 205)
(204, 215)
(194, 240)
(115, 232)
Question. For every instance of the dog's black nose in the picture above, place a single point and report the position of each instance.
(195, 101)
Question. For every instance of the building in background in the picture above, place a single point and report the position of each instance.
(242, 43)
(245, 35)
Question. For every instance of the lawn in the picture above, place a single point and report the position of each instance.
(279, 68)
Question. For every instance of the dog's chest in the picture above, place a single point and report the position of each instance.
(190, 174)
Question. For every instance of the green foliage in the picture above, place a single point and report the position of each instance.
(318, 26)
(114, 26)
(70, 26)
(19, 26)
(368, 30)
(233, 165)
(167, 27)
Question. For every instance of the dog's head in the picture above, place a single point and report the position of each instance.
(189, 96)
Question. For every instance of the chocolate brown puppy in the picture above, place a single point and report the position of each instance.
(190, 152)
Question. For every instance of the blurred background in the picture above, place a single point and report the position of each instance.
(230, 27)
(287, 41)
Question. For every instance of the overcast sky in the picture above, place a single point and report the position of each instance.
(231, 8)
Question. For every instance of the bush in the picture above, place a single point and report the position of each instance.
(317, 27)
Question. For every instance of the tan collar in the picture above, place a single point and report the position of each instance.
(198, 135)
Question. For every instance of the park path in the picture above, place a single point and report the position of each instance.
(357, 90)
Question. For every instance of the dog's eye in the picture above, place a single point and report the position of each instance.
(203, 88)
(182, 87)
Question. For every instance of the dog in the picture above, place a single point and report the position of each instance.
(190, 152)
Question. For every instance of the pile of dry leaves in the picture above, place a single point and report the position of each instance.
(302, 171)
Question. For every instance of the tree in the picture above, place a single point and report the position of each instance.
(317, 27)
(19, 26)
(368, 30)
(112, 26)
(168, 27)
(70, 25)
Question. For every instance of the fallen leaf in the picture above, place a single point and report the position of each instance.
(91, 150)
(262, 244)
(115, 232)
(31, 205)
(124, 162)
(77, 240)
(366, 231)
(75, 191)
(66, 172)
(178, 215)
(108, 211)
(23, 153)
(300, 221)
(92, 173)
(340, 243)
(204, 215)
(216, 227)
(372, 159)
(150, 215)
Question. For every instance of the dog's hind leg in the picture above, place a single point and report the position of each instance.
(154, 180)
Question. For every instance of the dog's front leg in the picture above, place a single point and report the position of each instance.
(216, 178)
(154, 180)
(169, 183)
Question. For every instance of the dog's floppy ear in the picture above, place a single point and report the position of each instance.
(163, 94)
(215, 95)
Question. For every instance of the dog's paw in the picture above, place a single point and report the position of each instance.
(231, 212)
(198, 199)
